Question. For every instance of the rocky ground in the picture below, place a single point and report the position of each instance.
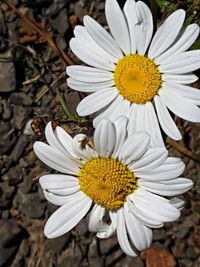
(32, 75)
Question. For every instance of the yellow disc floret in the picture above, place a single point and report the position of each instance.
(107, 181)
(137, 78)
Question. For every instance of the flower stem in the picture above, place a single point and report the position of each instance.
(69, 114)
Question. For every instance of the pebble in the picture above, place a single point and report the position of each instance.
(19, 148)
(8, 138)
(57, 244)
(13, 176)
(21, 99)
(10, 237)
(6, 192)
(20, 116)
(30, 205)
(7, 73)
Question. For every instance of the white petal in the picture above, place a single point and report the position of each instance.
(134, 147)
(102, 37)
(104, 138)
(96, 223)
(58, 200)
(117, 24)
(53, 140)
(87, 86)
(140, 235)
(152, 126)
(143, 28)
(111, 228)
(147, 219)
(172, 187)
(143, 118)
(65, 139)
(185, 40)
(154, 206)
(165, 36)
(188, 92)
(177, 202)
(121, 134)
(89, 55)
(137, 119)
(96, 101)
(181, 63)
(177, 104)
(153, 158)
(67, 216)
(55, 159)
(131, 17)
(122, 235)
(178, 78)
(172, 168)
(117, 108)
(82, 35)
(89, 74)
(57, 181)
(166, 121)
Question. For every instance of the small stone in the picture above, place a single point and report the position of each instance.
(21, 99)
(9, 230)
(13, 176)
(113, 257)
(70, 257)
(26, 185)
(106, 245)
(191, 253)
(130, 262)
(6, 109)
(19, 147)
(30, 205)
(6, 192)
(92, 251)
(159, 234)
(182, 231)
(57, 244)
(7, 73)
(60, 23)
(81, 228)
(179, 249)
(6, 254)
(21, 115)
(185, 263)
(8, 138)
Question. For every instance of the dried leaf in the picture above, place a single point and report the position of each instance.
(157, 257)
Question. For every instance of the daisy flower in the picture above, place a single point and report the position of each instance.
(134, 74)
(120, 176)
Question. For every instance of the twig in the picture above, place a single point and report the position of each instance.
(43, 33)
(31, 80)
(46, 89)
(183, 149)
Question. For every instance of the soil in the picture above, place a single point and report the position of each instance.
(31, 74)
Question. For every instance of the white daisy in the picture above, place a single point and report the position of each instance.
(123, 177)
(131, 74)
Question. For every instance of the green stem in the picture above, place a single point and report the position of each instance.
(70, 115)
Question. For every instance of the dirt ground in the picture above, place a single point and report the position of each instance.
(33, 58)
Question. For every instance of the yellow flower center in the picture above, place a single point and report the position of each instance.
(107, 182)
(137, 78)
